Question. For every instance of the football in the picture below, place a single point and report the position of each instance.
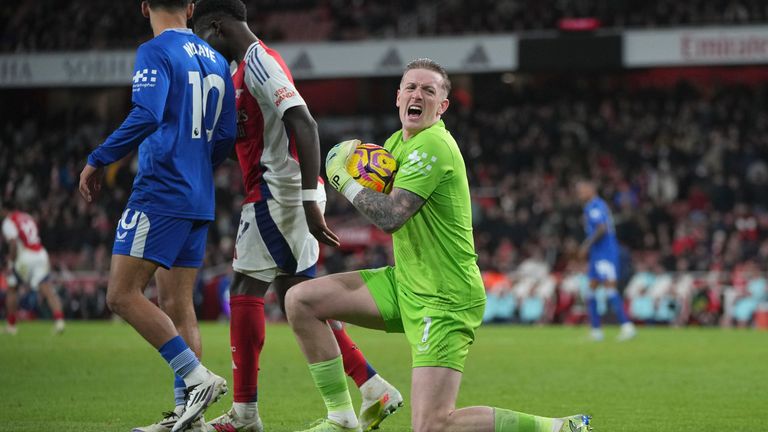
(373, 167)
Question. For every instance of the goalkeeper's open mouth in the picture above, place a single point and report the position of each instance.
(414, 112)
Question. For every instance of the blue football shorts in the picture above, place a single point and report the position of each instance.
(603, 269)
(166, 240)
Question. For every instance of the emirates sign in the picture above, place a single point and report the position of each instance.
(695, 47)
(683, 47)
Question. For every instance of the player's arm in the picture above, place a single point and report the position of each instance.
(137, 126)
(10, 259)
(597, 234)
(267, 82)
(150, 90)
(226, 132)
(388, 211)
(304, 130)
(10, 274)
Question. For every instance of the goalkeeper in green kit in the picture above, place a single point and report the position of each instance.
(434, 293)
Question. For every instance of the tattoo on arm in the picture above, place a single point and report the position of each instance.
(388, 212)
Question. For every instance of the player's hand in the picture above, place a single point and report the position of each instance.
(90, 182)
(317, 226)
(336, 163)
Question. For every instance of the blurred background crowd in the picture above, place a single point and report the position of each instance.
(681, 157)
(83, 24)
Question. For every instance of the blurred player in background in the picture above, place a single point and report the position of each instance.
(183, 123)
(282, 215)
(434, 293)
(27, 264)
(602, 248)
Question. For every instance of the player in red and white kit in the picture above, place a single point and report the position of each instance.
(28, 264)
(282, 215)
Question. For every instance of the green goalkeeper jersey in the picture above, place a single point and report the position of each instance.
(434, 250)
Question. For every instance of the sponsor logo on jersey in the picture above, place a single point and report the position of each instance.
(144, 78)
(283, 94)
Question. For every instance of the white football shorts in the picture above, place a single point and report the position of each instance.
(274, 240)
(32, 267)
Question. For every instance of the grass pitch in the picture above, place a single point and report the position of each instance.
(102, 376)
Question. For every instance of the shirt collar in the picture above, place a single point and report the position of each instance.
(178, 30)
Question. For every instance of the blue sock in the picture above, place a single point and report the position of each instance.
(369, 370)
(594, 317)
(179, 390)
(618, 305)
(179, 356)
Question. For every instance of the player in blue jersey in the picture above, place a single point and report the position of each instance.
(602, 248)
(183, 124)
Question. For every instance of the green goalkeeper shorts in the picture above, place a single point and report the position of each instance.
(437, 337)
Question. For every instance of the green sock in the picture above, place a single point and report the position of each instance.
(330, 380)
(511, 421)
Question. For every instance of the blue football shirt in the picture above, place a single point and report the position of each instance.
(596, 212)
(183, 123)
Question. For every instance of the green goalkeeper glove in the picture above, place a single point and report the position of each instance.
(336, 169)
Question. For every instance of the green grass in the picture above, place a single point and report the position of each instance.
(101, 376)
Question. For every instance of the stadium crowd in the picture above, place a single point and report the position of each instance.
(85, 25)
(684, 169)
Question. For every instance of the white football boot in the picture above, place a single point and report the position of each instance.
(199, 398)
(169, 420)
(380, 399)
(231, 422)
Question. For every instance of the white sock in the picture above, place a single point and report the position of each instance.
(246, 410)
(198, 375)
(346, 418)
(374, 387)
